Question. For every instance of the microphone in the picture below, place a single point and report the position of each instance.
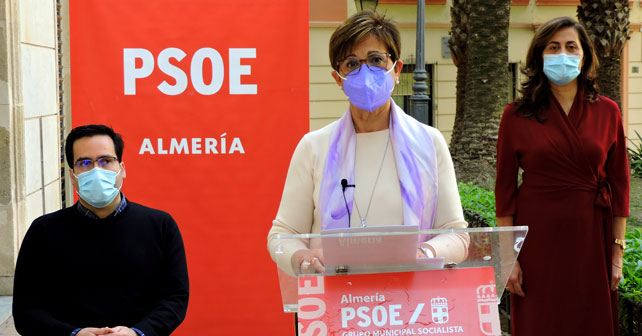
(344, 185)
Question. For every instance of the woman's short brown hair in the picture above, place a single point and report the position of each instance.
(358, 26)
(535, 88)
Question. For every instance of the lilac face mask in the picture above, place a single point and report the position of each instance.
(369, 89)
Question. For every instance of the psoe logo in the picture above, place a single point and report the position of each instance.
(439, 307)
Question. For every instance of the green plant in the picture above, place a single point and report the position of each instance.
(478, 201)
(631, 286)
(635, 153)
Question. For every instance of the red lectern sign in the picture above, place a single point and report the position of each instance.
(211, 97)
(442, 302)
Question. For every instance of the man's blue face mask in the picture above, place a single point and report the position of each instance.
(97, 186)
(561, 69)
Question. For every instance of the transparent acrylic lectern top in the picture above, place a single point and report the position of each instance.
(495, 247)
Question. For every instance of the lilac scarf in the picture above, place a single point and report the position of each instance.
(416, 167)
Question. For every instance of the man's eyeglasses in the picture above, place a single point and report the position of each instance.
(104, 162)
(374, 61)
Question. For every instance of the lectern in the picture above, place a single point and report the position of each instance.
(371, 286)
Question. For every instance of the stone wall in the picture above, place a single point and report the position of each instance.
(29, 123)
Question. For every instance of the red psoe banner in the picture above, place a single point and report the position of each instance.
(441, 302)
(211, 97)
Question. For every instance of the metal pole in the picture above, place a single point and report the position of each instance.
(419, 99)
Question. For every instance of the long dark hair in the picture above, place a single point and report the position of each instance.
(535, 89)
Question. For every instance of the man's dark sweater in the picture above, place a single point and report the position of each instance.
(77, 272)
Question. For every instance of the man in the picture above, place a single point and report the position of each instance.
(105, 266)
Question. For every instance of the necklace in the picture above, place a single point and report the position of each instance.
(363, 218)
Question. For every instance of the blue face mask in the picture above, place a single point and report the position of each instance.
(561, 69)
(369, 89)
(97, 186)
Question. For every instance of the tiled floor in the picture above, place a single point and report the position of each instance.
(7, 328)
(6, 321)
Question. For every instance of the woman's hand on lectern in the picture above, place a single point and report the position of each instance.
(308, 261)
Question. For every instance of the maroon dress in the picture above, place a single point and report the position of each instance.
(575, 180)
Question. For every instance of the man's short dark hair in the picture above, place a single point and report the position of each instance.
(89, 131)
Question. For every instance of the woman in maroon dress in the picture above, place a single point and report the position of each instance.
(574, 197)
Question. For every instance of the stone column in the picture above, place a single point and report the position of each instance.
(12, 162)
(29, 124)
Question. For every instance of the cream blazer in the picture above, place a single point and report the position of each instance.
(298, 212)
